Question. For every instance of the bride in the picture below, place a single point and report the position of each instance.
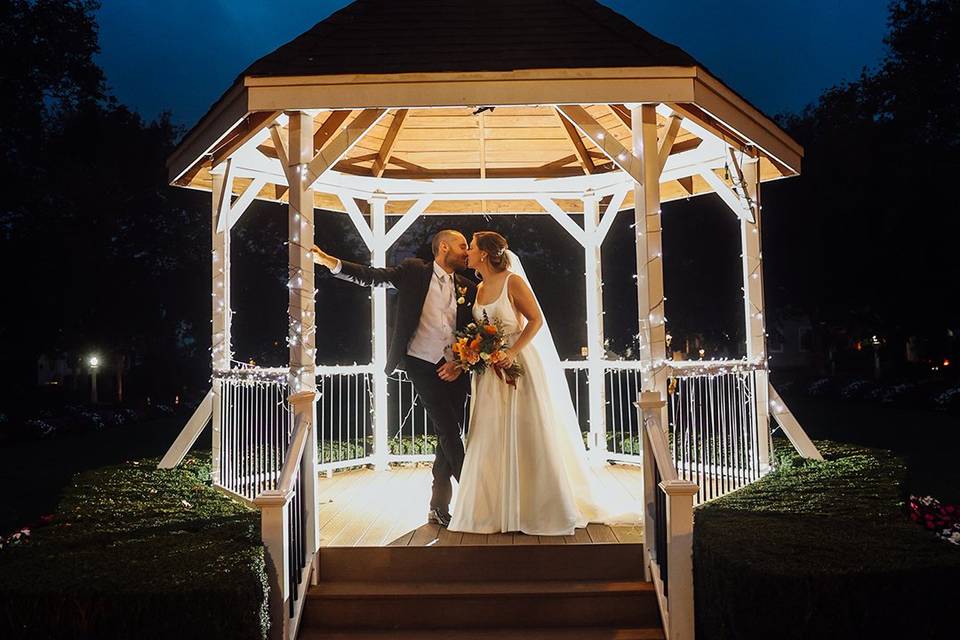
(526, 468)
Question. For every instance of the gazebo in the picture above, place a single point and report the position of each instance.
(389, 111)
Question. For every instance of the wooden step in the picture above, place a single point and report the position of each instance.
(497, 563)
(501, 604)
(580, 633)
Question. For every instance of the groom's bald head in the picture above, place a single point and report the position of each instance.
(450, 237)
(450, 250)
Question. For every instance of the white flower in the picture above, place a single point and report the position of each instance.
(461, 300)
(485, 356)
(472, 326)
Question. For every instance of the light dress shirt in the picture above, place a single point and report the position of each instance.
(438, 320)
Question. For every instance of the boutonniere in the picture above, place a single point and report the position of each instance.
(462, 291)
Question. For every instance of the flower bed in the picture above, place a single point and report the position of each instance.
(822, 550)
(134, 552)
(941, 519)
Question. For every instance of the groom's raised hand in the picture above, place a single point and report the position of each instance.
(320, 257)
(449, 371)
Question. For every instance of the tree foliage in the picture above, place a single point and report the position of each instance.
(866, 238)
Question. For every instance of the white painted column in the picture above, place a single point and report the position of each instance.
(378, 224)
(301, 310)
(274, 528)
(650, 300)
(596, 387)
(220, 295)
(753, 308)
(680, 494)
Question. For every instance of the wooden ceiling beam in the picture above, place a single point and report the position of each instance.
(621, 111)
(579, 148)
(711, 125)
(280, 148)
(604, 140)
(329, 127)
(244, 132)
(386, 149)
(562, 162)
(337, 148)
(406, 164)
(665, 139)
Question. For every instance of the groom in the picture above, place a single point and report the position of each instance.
(433, 302)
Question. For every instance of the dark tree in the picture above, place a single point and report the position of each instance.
(865, 240)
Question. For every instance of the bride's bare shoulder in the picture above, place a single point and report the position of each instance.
(516, 284)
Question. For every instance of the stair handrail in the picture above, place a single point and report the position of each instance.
(286, 589)
(668, 523)
(299, 442)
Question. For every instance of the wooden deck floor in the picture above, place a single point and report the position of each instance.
(363, 507)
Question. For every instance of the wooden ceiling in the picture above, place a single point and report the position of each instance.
(467, 142)
(502, 142)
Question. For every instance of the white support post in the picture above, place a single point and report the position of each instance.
(650, 300)
(753, 309)
(274, 525)
(378, 223)
(301, 310)
(675, 598)
(596, 387)
(680, 495)
(650, 405)
(222, 187)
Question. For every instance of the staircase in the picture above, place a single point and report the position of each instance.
(583, 591)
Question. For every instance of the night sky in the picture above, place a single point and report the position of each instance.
(181, 55)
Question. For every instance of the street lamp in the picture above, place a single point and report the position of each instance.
(94, 363)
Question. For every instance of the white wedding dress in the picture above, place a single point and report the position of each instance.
(526, 467)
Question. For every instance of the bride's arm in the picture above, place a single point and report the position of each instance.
(526, 304)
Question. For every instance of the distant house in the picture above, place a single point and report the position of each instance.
(53, 370)
(789, 341)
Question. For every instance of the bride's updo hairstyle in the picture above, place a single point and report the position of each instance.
(495, 246)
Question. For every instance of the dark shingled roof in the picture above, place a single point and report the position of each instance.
(409, 36)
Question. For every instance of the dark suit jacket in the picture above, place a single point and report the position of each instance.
(411, 279)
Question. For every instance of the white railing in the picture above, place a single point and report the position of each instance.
(254, 430)
(345, 436)
(668, 524)
(346, 424)
(622, 382)
(288, 523)
(716, 436)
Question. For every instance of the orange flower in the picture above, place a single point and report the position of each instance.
(475, 343)
(490, 329)
(496, 356)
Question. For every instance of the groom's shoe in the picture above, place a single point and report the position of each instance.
(439, 517)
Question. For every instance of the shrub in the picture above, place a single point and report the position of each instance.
(135, 552)
(822, 550)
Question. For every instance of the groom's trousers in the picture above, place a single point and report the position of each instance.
(444, 403)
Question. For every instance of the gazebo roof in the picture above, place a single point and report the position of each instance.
(430, 90)
(424, 36)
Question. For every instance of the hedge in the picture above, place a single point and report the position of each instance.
(135, 552)
(822, 550)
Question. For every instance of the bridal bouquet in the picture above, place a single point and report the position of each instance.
(479, 347)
